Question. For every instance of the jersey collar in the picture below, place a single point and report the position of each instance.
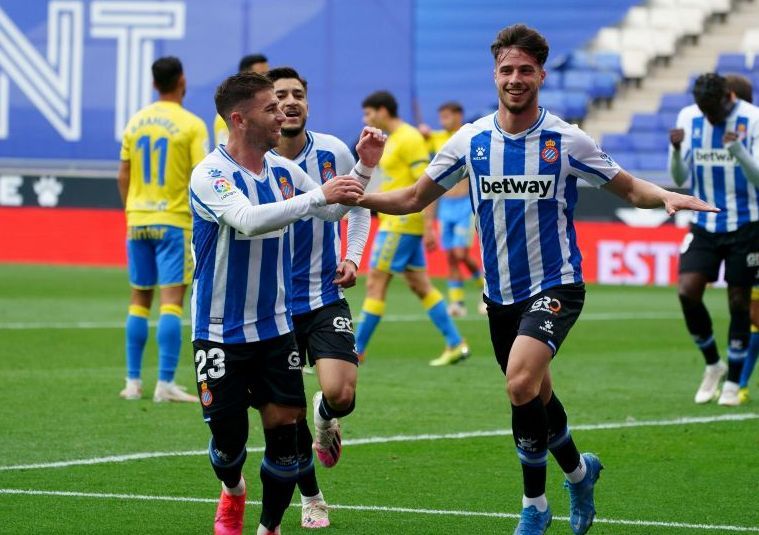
(535, 125)
(251, 174)
(304, 151)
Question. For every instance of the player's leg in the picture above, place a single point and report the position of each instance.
(174, 260)
(456, 301)
(143, 276)
(383, 253)
(753, 348)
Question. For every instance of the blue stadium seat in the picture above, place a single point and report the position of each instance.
(553, 80)
(580, 81)
(667, 119)
(613, 143)
(644, 122)
(675, 101)
(625, 159)
(605, 84)
(652, 161)
(577, 105)
(554, 101)
(735, 63)
(609, 61)
(581, 60)
(648, 141)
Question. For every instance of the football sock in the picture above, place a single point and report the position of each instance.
(455, 291)
(540, 502)
(750, 362)
(136, 337)
(739, 333)
(327, 412)
(306, 499)
(560, 442)
(371, 314)
(238, 490)
(529, 423)
(699, 325)
(226, 449)
(169, 337)
(434, 304)
(306, 474)
(279, 473)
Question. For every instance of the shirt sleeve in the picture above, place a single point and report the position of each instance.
(588, 161)
(747, 158)
(304, 183)
(199, 144)
(344, 160)
(679, 160)
(448, 167)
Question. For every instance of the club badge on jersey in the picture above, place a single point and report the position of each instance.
(286, 188)
(327, 172)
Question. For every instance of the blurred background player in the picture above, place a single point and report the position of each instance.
(454, 214)
(715, 144)
(400, 242)
(257, 63)
(321, 316)
(161, 145)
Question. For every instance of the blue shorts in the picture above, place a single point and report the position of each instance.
(455, 216)
(395, 253)
(159, 255)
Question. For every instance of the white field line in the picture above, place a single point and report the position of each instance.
(390, 439)
(393, 318)
(377, 508)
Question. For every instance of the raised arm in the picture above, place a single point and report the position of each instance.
(404, 201)
(678, 167)
(746, 160)
(644, 194)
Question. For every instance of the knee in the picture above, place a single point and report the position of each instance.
(522, 388)
(420, 288)
(341, 397)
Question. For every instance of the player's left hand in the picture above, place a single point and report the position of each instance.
(429, 239)
(346, 274)
(370, 145)
(674, 202)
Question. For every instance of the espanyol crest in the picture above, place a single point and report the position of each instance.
(328, 172)
(286, 188)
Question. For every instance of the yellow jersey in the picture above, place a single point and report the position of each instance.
(404, 160)
(162, 143)
(220, 131)
(437, 139)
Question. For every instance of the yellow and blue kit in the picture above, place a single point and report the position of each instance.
(220, 131)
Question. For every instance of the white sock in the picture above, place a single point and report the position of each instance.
(306, 499)
(578, 474)
(163, 384)
(238, 490)
(540, 502)
(319, 420)
(263, 530)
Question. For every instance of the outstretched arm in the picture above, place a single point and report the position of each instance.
(404, 201)
(644, 194)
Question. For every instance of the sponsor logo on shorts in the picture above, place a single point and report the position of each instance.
(547, 326)
(752, 260)
(223, 188)
(294, 361)
(342, 325)
(521, 187)
(546, 304)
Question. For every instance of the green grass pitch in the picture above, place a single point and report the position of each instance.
(627, 365)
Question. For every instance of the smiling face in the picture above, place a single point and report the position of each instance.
(518, 77)
(260, 120)
(293, 103)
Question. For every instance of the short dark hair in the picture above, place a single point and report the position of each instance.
(451, 105)
(251, 59)
(522, 37)
(239, 88)
(382, 99)
(166, 73)
(710, 87)
(280, 73)
(741, 86)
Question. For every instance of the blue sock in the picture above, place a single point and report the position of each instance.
(169, 337)
(750, 362)
(435, 305)
(371, 314)
(136, 337)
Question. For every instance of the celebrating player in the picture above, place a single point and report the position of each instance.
(716, 144)
(322, 319)
(523, 164)
(257, 63)
(161, 145)
(244, 199)
(398, 246)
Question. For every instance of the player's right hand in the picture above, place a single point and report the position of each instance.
(676, 136)
(342, 190)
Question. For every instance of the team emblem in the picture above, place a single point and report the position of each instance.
(286, 188)
(206, 398)
(550, 153)
(327, 172)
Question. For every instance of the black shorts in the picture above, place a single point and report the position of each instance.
(237, 376)
(326, 333)
(703, 252)
(546, 316)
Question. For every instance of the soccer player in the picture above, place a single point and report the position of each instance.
(160, 146)
(251, 63)
(321, 316)
(715, 144)
(398, 246)
(522, 164)
(454, 214)
(243, 202)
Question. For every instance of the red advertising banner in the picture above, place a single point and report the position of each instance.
(613, 253)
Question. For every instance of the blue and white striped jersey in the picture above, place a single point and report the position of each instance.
(716, 176)
(241, 287)
(523, 189)
(316, 250)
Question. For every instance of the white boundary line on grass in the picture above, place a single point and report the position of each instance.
(375, 508)
(394, 438)
(393, 318)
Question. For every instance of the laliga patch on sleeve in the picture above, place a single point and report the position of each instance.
(222, 187)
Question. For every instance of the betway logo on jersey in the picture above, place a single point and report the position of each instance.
(524, 187)
(709, 157)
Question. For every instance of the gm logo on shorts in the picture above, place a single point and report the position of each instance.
(342, 325)
(523, 187)
(294, 361)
